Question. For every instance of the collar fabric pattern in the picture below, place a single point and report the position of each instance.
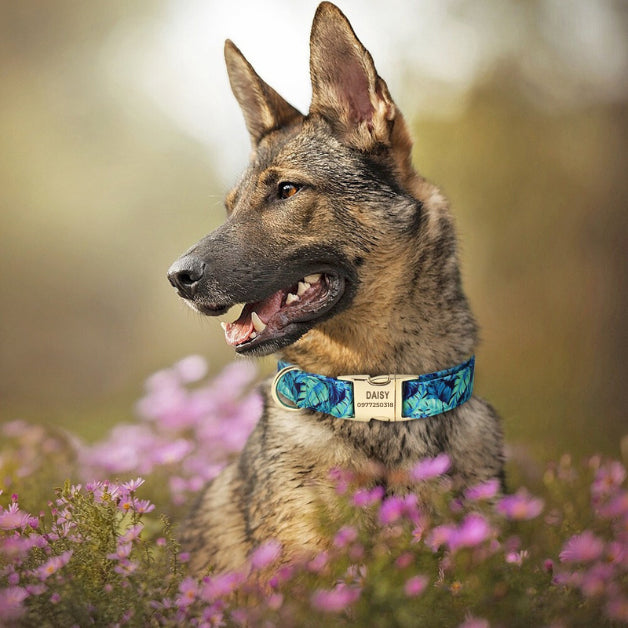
(422, 396)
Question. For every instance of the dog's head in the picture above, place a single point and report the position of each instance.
(320, 193)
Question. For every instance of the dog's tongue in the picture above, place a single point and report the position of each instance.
(240, 331)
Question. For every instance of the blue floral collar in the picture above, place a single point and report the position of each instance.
(381, 397)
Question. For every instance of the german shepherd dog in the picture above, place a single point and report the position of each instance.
(345, 258)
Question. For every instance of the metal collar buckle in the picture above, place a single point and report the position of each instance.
(280, 401)
(378, 397)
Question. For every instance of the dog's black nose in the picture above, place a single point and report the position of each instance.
(185, 275)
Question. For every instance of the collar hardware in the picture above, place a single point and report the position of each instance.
(379, 397)
(387, 398)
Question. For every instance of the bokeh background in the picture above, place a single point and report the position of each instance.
(120, 137)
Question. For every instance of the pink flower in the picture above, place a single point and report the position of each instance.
(583, 547)
(520, 506)
(431, 467)
(142, 506)
(616, 506)
(364, 497)
(415, 585)
(486, 490)
(11, 600)
(595, 580)
(188, 590)
(391, 510)
(608, 478)
(53, 565)
(474, 622)
(221, 585)
(405, 560)
(133, 485)
(473, 530)
(13, 518)
(265, 555)
(345, 536)
(617, 608)
(517, 558)
(318, 563)
(336, 599)
(440, 535)
(191, 369)
(123, 550)
(395, 507)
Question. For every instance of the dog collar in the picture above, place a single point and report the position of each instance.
(381, 397)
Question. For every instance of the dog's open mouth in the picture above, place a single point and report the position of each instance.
(285, 312)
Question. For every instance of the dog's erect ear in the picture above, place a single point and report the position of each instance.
(346, 89)
(264, 109)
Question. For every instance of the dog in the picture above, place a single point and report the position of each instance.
(345, 258)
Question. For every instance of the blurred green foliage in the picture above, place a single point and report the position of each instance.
(100, 191)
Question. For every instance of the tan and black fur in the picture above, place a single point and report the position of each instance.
(391, 299)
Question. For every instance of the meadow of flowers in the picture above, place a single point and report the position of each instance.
(88, 532)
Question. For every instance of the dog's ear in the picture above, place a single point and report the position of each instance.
(263, 108)
(346, 89)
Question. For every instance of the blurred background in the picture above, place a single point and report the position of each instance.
(120, 138)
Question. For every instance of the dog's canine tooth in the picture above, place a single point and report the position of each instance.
(258, 324)
(253, 335)
(303, 287)
(312, 278)
(223, 325)
(291, 298)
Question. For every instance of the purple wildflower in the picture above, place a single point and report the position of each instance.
(266, 554)
(583, 547)
(365, 497)
(219, 586)
(415, 585)
(274, 601)
(485, 490)
(132, 485)
(440, 535)
(336, 599)
(191, 369)
(188, 590)
(391, 510)
(395, 507)
(13, 518)
(616, 506)
(123, 550)
(11, 599)
(431, 467)
(617, 608)
(517, 558)
(345, 536)
(53, 565)
(142, 506)
(318, 563)
(341, 479)
(520, 506)
(405, 560)
(608, 478)
(473, 530)
(474, 622)
(595, 580)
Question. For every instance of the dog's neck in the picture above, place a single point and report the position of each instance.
(411, 315)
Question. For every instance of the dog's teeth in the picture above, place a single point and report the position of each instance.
(312, 278)
(253, 335)
(258, 324)
(291, 298)
(223, 325)
(303, 287)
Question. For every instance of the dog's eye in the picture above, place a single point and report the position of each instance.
(286, 189)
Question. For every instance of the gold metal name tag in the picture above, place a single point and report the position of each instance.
(379, 397)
